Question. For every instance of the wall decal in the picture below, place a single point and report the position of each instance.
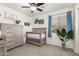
(36, 21)
(41, 21)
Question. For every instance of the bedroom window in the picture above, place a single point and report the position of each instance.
(59, 21)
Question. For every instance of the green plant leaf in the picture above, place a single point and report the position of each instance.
(70, 34)
(63, 32)
(58, 32)
(61, 39)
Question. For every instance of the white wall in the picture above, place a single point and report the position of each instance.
(77, 28)
(54, 40)
(22, 17)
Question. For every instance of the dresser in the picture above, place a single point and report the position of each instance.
(13, 34)
(3, 51)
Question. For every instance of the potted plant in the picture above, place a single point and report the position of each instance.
(18, 21)
(64, 36)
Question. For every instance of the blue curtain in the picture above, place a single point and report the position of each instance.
(69, 24)
(69, 20)
(49, 26)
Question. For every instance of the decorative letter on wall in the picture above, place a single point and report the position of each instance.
(36, 21)
(69, 20)
(49, 26)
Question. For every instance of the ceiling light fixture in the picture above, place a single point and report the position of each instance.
(33, 8)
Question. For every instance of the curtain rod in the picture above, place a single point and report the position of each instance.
(60, 13)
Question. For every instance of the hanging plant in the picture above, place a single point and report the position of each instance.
(18, 21)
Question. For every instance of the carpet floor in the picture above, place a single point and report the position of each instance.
(45, 50)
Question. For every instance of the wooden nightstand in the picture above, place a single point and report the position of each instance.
(3, 45)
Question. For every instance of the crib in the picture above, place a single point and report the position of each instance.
(37, 37)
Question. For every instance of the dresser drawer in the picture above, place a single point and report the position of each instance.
(8, 34)
(9, 38)
(9, 28)
(10, 43)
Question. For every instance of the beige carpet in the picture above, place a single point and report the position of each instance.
(46, 50)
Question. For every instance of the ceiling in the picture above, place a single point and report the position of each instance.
(49, 7)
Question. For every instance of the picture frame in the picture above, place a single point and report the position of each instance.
(26, 24)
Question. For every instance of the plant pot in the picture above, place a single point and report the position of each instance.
(17, 23)
(63, 44)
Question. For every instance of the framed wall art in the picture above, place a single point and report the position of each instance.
(26, 24)
(39, 21)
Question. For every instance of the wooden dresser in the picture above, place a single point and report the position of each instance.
(3, 51)
(13, 34)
